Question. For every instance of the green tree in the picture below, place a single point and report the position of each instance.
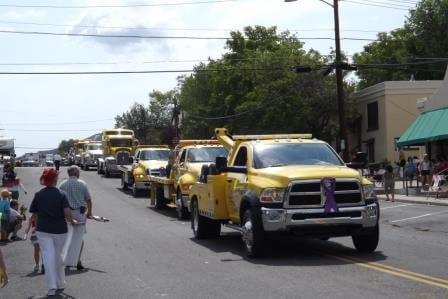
(264, 93)
(65, 145)
(424, 35)
(138, 119)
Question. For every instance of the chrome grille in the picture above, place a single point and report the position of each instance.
(308, 194)
(123, 158)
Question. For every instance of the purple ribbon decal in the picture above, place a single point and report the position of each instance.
(329, 186)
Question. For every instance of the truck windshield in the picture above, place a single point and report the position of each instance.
(120, 142)
(94, 147)
(206, 154)
(162, 155)
(276, 155)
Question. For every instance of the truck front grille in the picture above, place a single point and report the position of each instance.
(308, 193)
(123, 158)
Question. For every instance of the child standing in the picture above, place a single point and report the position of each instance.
(4, 211)
(33, 238)
(389, 182)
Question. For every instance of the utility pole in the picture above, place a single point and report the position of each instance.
(340, 84)
(338, 65)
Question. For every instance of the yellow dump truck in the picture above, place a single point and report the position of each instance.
(272, 184)
(187, 160)
(118, 147)
(148, 160)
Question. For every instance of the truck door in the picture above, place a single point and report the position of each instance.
(238, 182)
(182, 168)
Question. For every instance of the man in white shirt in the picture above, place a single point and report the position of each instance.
(57, 161)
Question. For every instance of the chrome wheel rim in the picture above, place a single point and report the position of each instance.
(248, 235)
(195, 218)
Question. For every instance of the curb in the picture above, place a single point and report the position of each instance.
(442, 202)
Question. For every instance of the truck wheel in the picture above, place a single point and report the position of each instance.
(252, 234)
(160, 199)
(135, 191)
(367, 242)
(203, 227)
(98, 169)
(182, 211)
(124, 185)
(86, 168)
(107, 173)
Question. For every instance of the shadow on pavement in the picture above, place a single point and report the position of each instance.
(129, 193)
(69, 272)
(289, 251)
(62, 295)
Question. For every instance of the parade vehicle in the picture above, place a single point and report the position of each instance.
(277, 184)
(92, 152)
(78, 151)
(188, 157)
(147, 160)
(118, 147)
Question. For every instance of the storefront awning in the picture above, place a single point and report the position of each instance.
(429, 126)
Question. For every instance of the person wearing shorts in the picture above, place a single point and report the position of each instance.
(425, 170)
(389, 183)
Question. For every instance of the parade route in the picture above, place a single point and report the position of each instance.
(145, 253)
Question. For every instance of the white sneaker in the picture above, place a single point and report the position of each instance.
(36, 268)
(51, 292)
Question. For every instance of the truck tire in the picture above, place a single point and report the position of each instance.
(124, 185)
(98, 169)
(367, 243)
(182, 211)
(136, 192)
(106, 173)
(252, 234)
(160, 199)
(203, 227)
(86, 168)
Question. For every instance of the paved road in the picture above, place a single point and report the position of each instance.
(143, 253)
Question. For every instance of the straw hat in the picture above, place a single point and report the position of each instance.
(5, 193)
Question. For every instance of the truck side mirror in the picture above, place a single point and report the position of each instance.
(131, 160)
(221, 164)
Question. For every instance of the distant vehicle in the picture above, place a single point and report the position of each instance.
(49, 163)
(65, 161)
(92, 152)
(30, 163)
(6, 146)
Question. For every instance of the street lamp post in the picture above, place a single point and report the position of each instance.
(339, 79)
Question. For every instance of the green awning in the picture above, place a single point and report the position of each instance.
(429, 126)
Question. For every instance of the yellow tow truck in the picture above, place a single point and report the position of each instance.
(118, 147)
(173, 186)
(272, 184)
(79, 150)
(148, 160)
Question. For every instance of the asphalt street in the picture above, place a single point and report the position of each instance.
(145, 253)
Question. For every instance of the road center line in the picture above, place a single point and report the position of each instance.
(416, 217)
(426, 279)
(398, 206)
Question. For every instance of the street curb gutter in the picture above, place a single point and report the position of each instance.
(432, 202)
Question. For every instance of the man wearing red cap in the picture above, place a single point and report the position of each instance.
(51, 212)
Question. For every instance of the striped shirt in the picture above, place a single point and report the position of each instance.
(76, 191)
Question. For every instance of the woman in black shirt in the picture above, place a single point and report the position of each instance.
(51, 211)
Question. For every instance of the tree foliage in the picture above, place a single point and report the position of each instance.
(424, 35)
(265, 94)
(65, 145)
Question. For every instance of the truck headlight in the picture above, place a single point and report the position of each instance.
(272, 195)
(369, 191)
(140, 176)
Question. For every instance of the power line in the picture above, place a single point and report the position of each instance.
(171, 29)
(59, 123)
(387, 3)
(167, 37)
(36, 148)
(52, 130)
(375, 5)
(117, 6)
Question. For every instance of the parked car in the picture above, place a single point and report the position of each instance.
(30, 163)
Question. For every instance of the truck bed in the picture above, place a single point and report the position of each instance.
(161, 180)
(125, 168)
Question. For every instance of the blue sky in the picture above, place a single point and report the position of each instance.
(50, 102)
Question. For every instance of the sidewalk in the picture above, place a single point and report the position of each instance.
(417, 199)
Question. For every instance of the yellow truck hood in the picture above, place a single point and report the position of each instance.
(153, 164)
(281, 176)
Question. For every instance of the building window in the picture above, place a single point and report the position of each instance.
(372, 116)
